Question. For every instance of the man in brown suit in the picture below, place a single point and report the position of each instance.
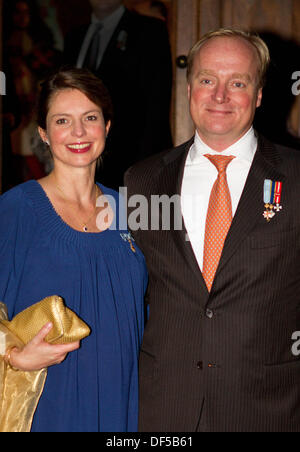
(220, 356)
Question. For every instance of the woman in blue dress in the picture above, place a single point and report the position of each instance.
(65, 235)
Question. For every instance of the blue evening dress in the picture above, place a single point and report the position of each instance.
(103, 280)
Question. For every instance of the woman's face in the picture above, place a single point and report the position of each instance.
(76, 131)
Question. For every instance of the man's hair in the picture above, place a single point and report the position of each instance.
(258, 44)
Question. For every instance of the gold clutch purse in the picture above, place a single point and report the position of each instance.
(67, 326)
(20, 391)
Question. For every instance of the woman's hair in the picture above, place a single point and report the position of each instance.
(257, 43)
(73, 78)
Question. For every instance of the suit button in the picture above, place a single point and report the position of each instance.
(200, 365)
(209, 313)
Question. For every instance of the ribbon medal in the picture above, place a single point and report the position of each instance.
(272, 198)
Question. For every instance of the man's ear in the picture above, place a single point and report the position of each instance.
(259, 98)
(189, 91)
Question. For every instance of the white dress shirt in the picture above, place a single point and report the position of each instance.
(198, 179)
(109, 24)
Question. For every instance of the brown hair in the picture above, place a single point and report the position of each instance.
(258, 44)
(74, 78)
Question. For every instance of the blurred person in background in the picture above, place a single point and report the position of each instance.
(10, 118)
(29, 45)
(153, 8)
(131, 54)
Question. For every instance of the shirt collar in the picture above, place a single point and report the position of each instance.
(244, 148)
(110, 21)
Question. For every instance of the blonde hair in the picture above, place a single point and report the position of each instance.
(260, 46)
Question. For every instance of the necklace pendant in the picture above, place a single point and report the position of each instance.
(85, 229)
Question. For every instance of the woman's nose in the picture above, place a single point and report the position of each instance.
(78, 129)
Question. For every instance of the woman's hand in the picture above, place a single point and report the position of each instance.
(38, 354)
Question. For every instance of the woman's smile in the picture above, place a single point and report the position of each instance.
(79, 148)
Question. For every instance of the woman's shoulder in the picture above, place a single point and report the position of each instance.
(18, 189)
(117, 198)
(17, 197)
(118, 203)
(108, 191)
(12, 195)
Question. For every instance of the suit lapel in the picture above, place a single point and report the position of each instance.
(250, 208)
(175, 163)
(249, 211)
(113, 43)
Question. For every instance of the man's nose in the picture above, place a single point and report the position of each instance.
(220, 94)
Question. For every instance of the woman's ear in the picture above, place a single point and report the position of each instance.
(107, 127)
(43, 135)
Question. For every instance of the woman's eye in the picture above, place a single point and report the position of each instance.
(92, 118)
(61, 121)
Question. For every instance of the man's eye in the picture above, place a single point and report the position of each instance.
(205, 81)
(239, 84)
(92, 118)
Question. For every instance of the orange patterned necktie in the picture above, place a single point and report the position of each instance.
(218, 219)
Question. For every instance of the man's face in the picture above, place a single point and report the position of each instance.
(223, 92)
(105, 5)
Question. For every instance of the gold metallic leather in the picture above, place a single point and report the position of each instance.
(20, 391)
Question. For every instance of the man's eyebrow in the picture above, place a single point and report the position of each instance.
(232, 76)
(206, 72)
(242, 76)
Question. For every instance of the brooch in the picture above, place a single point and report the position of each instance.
(122, 40)
(128, 238)
(272, 198)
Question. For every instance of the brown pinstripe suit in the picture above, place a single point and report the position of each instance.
(222, 361)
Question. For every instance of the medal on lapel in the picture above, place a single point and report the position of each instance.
(122, 40)
(272, 198)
